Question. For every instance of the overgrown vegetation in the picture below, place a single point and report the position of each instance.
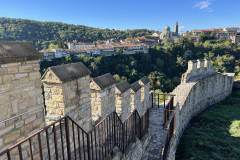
(164, 65)
(214, 134)
(42, 34)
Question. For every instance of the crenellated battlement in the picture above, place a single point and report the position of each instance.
(95, 112)
(198, 68)
(201, 86)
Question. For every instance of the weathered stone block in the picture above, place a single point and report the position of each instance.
(21, 75)
(11, 137)
(30, 119)
(10, 64)
(3, 71)
(8, 78)
(6, 130)
(26, 129)
(24, 80)
(5, 111)
(34, 75)
(24, 103)
(19, 124)
(58, 98)
(12, 70)
(23, 69)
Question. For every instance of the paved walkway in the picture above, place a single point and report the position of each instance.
(158, 134)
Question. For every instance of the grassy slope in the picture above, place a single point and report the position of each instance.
(214, 134)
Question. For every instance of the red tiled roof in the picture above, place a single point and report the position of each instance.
(209, 30)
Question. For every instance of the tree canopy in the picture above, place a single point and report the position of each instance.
(42, 34)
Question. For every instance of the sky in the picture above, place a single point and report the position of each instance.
(128, 14)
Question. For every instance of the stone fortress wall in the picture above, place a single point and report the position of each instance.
(200, 87)
(68, 90)
(21, 100)
(102, 96)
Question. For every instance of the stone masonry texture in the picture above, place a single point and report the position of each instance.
(102, 96)
(20, 93)
(70, 97)
(201, 86)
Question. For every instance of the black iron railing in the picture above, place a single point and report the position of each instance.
(65, 139)
(167, 101)
(170, 128)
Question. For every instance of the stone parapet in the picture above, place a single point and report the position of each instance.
(198, 68)
(195, 95)
(145, 93)
(122, 99)
(136, 97)
(21, 100)
(64, 95)
(102, 96)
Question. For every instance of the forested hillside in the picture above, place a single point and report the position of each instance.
(41, 34)
(164, 65)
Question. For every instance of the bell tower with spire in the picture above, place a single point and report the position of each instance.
(176, 28)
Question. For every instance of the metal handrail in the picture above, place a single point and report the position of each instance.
(100, 140)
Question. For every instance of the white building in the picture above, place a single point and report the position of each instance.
(79, 45)
(59, 53)
(222, 35)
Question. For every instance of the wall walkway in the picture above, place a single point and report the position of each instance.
(158, 134)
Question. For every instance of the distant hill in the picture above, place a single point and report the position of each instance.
(41, 34)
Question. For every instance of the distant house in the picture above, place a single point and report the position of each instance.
(156, 34)
(186, 33)
(223, 35)
(232, 29)
(235, 38)
(59, 53)
(133, 49)
(209, 31)
(80, 45)
(196, 33)
(193, 38)
(48, 55)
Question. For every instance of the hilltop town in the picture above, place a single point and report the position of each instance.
(136, 45)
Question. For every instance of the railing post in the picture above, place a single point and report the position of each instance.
(123, 136)
(140, 128)
(135, 117)
(174, 118)
(88, 147)
(172, 102)
(164, 118)
(158, 100)
(67, 138)
(164, 99)
(114, 128)
(152, 99)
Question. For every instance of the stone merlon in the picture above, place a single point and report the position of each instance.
(68, 72)
(17, 52)
(123, 86)
(104, 81)
(135, 87)
(197, 68)
(144, 80)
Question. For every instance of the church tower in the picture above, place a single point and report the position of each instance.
(176, 28)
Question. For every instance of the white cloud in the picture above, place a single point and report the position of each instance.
(203, 5)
